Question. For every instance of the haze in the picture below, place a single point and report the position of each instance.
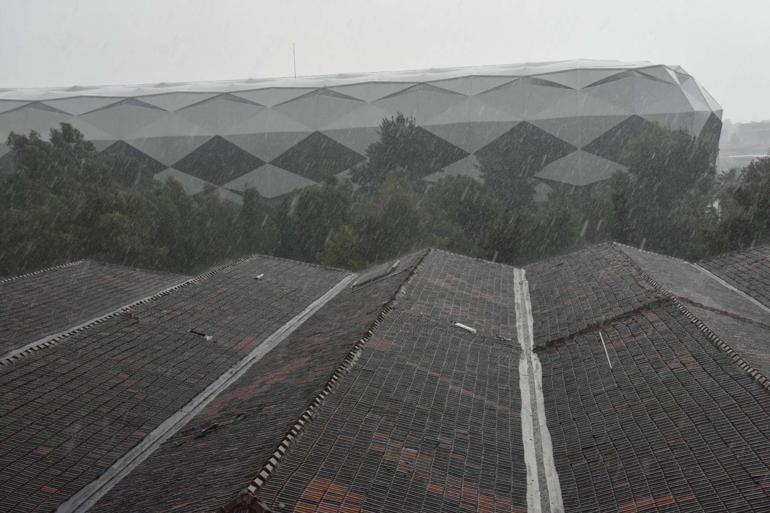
(53, 43)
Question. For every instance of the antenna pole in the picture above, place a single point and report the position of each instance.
(294, 58)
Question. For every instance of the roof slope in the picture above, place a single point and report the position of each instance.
(609, 379)
(218, 453)
(427, 420)
(72, 411)
(39, 304)
(648, 409)
(747, 270)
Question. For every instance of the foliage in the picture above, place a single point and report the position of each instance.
(402, 145)
(65, 201)
(665, 169)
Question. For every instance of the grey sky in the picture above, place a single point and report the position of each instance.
(724, 44)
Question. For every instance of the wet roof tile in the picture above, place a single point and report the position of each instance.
(39, 304)
(109, 386)
(747, 270)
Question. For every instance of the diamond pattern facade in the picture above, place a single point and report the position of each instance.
(560, 122)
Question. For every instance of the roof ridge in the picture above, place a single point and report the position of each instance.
(470, 257)
(295, 261)
(616, 243)
(598, 325)
(136, 268)
(57, 338)
(43, 270)
(249, 495)
(733, 252)
(710, 335)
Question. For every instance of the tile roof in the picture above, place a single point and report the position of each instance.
(609, 379)
(428, 419)
(39, 304)
(109, 386)
(674, 425)
(573, 292)
(747, 270)
(225, 444)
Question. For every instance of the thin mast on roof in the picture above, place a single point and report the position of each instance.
(294, 58)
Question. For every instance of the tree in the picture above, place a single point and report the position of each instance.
(255, 227)
(402, 145)
(664, 168)
(459, 214)
(63, 202)
(305, 221)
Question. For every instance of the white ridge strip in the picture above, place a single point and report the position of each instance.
(90, 494)
(15, 354)
(538, 448)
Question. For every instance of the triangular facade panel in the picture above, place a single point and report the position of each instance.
(103, 144)
(471, 85)
(471, 136)
(658, 98)
(123, 119)
(33, 116)
(357, 139)
(616, 93)
(269, 181)
(612, 143)
(267, 145)
(218, 161)
(363, 115)
(190, 184)
(578, 131)
(319, 109)
(470, 110)
(171, 124)
(674, 121)
(6, 105)
(175, 101)
(264, 121)
(661, 73)
(131, 163)
(89, 131)
(422, 102)
(317, 157)
(82, 104)
(273, 96)
(168, 150)
(524, 149)
(220, 113)
(372, 91)
(580, 168)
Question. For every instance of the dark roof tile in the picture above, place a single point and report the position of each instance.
(674, 424)
(111, 384)
(747, 270)
(572, 292)
(39, 304)
(221, 450)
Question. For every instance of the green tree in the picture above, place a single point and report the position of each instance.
(305, 221)
(402, 145)
(664, 167)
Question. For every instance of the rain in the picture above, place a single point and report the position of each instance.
(321, 149)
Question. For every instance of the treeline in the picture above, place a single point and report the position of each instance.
(65, 201)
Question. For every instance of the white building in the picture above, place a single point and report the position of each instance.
(569, 119)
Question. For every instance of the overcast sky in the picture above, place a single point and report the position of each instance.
(724, 44)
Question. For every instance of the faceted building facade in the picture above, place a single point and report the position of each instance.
(565, 122)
